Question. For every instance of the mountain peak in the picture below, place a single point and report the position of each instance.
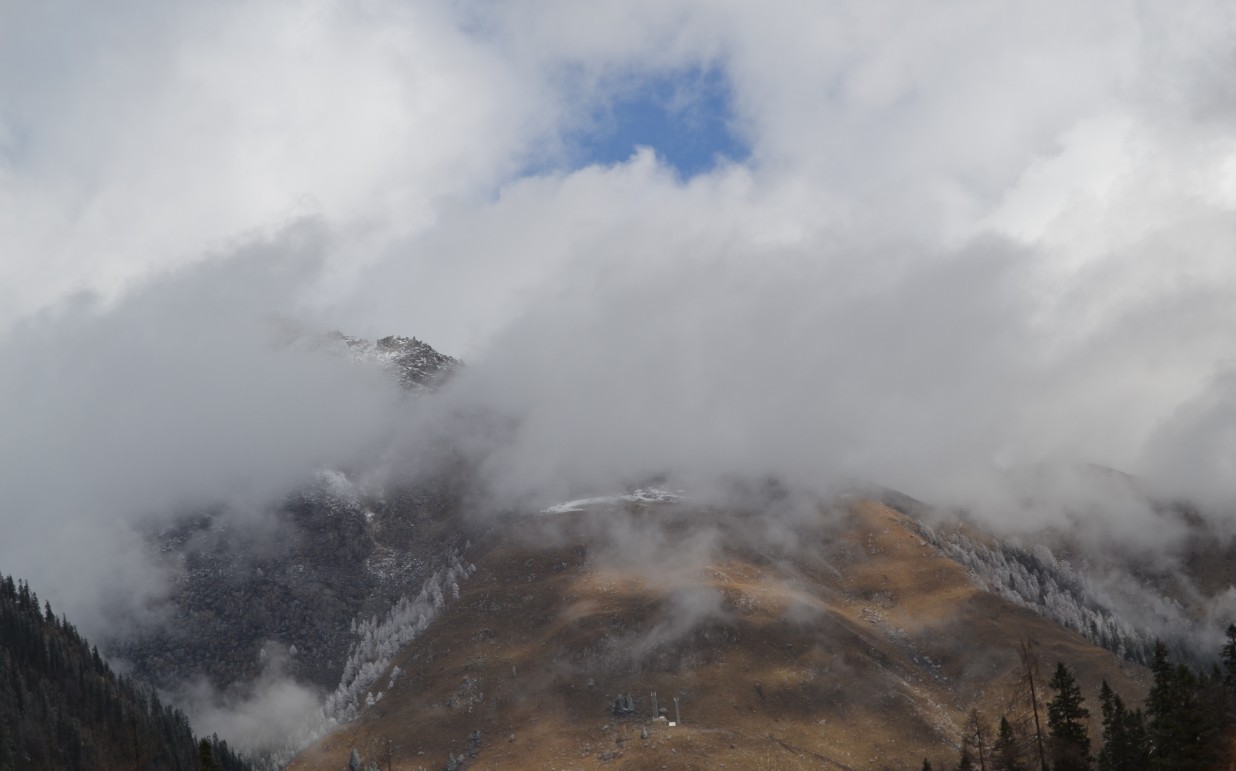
(417, 365)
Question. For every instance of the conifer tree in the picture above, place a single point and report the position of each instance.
(1066, 721)
(1006, 754)
(967, 760)
(1229, 656)
(1125, 743)
(1228, 688)
(62, 707)
(1138, 739)
(1114, 738)
(206, 756)
(1183, 726)
(1161, 708)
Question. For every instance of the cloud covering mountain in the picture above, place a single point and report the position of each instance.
(958, 239)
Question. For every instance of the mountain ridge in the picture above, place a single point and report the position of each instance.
(867, 654)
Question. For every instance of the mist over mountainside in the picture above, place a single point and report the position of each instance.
(845, 640)
(755, 266)
(259, 617)
(295, 583)
(255, 601)
(257, 623)
(1117, 598)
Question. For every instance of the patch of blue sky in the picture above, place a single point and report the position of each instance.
(685, 116)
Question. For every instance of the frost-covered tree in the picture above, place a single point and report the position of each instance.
(1036, 579)
(624, 705)
(381, 640)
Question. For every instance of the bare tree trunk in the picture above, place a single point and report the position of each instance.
(1029, 674)
(977, 734)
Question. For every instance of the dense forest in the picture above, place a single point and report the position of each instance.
(1034, 578)
(1187, 723)
(63, 708)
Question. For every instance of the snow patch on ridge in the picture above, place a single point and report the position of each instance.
(643, 495)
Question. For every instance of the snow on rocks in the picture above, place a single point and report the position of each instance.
(643, 495)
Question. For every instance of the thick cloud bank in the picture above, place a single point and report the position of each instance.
(186, 394)
(965, 241)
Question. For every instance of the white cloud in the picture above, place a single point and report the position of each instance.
(154, 131)
(185, 394)
(969, 235)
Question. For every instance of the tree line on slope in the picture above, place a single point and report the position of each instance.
(1035, 578)
(1187, 722)
(62, 708)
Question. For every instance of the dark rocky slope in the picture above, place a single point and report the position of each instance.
(291, 581)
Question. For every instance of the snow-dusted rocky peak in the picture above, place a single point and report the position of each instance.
(417, 365)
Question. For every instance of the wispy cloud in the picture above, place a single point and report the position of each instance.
(965, 239)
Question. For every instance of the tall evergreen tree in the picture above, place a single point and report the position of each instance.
(967, 760)
(1066, 720)
(1138, 739)
(1125, 744)
(1227, 696)
(1229, 656)
(1006, 754)
(1161, 708)
(206, 756)
(1183, 724)
(1114, 738)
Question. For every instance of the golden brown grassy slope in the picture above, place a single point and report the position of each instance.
(841, 640)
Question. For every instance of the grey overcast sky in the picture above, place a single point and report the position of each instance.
(910, 242)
